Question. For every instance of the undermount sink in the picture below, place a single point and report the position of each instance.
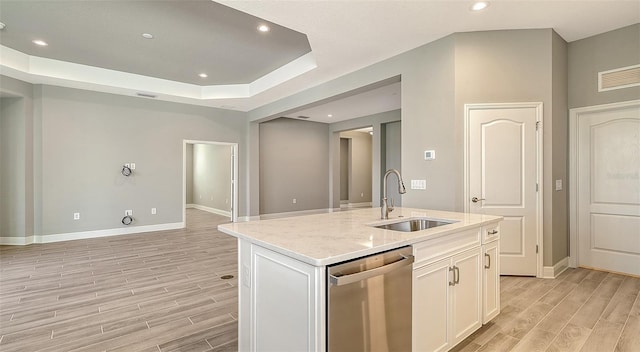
(414, 225)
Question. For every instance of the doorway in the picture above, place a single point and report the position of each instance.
(356, 163)
(605, 187)
(209, 177)
(503, 176)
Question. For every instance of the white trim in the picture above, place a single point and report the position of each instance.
(297, 213)
(16, 241)
(540, 163)
(234, 176)
(600, 74)
(574, 197)
(355, 205)
(248, 218)
(60, 237)
(551, 272)
(40, 70)
(210, 210)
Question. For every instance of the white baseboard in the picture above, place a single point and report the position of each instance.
(89, 234)
(297, 213)
(551, 272)
(210, 210)
(16, 241)
(356, 205)
(248, 218)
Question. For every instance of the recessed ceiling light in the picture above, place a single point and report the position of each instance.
(263, 28)
(40, 42)
(329, 115)
(147, 35)
(479, 5)
(203, 75)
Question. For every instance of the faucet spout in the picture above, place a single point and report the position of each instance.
(384, 211)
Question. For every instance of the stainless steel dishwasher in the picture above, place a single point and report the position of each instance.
(369, 303)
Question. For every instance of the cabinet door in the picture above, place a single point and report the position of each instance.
(466, 303)
(285, 308)
(491, 281)
(430, 316)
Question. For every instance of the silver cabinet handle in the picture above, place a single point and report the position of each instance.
(492, 232)
(476, 199)
(452, 283)
(363, 275)
(456, 275)
(487, 266)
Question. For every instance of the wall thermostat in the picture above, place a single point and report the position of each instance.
(429, 155)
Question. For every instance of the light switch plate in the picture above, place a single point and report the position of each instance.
(418, 184)
(559, 185)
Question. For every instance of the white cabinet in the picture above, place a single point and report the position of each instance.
(281, 302)
(491, 273)
(447, 291)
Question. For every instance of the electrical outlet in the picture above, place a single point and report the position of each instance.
(294, 201)
(153, 211)
(246, 275)
(418, 184)
(133, 166)
(76, 216)
(362, 195)
(128, 212)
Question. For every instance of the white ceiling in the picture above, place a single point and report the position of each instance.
(344, 35)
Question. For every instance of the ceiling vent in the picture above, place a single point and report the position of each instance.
(303, 117)
(619, 78)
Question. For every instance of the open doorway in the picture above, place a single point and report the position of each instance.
(356, 168)
(209, 177)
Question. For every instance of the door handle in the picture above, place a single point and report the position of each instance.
(476, 199)
(487, 266)
(456, 275)
(453, 283)
(363, 275)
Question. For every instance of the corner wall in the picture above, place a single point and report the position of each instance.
(606, 51)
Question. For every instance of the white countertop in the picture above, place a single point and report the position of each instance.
(329, 238)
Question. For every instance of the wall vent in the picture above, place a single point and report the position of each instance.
(619, 78)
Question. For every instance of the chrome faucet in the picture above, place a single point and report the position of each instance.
(384, 211)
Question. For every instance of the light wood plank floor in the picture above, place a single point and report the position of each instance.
(163, 291)
(159, 291)
(581, 310)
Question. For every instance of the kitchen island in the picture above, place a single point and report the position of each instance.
(282, 273)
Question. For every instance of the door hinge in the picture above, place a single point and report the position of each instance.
(536, 249)
(538, 125)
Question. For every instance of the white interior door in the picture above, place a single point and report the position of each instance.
(608, 189)
(503, 176)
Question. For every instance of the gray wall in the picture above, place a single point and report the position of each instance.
(437, 80)
(16, 158)
(294, 156)
(80, 140)
(344, 169)
(189, 174)
(212, 176)
(392, 155)
(359, 166)
(12, 167)
(607, 51)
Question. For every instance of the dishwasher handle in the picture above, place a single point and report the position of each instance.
(363, 275)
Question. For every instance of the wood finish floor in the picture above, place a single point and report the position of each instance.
(581, 310)
(163, 291)
(160, 291)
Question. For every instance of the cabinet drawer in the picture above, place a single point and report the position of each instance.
(490, 233)
(429, 251)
